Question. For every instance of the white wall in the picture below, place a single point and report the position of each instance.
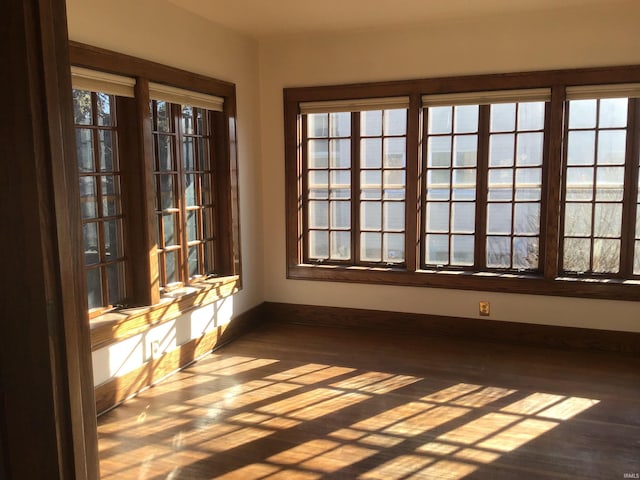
(565, 38)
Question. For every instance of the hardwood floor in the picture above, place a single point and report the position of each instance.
(301, 402)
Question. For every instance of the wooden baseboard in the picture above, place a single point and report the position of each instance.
(431, 325)
(115, 391)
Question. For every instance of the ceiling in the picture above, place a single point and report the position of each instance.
(259, 18)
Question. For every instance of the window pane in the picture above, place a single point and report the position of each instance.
(464, 184)
(192, 226)
(500, 184)
(437, 217)
(636, 259)
(440, 119)
(112, 239)
(165, 184)
(371, 247)
(318, 244)
(439, 152)
(318, 125)
(94, 288)
(582, 113)
(501, 148)
(395, 122)
(438, 184)
(371, 123)
(579, 184)
(340, 124)
(503, 117)
(462, 250)
(169, 224)
(577, 220)
(499, 252)
(393, 216)
(88, 204)
(371, 185)
(84, 148)
(115, 275)
(188, 153)
(528, 184)
(340, 184)
(525, 253)
(607, 221)
(531, 116)
(187, 120)
(581, 149)
(463, 217)
(370, 216)
(164, 156)
(318, 215)
(110, 195)
(529, 149)
(612, 145)
(466, 119)
(394, 184)
(203, 155)
(190, 190)
(606, 256)
(340, 153)
(340, 245)
(437, 249)
(163, 117)
(340, 215)
(393, 248)
(499, 218)
(82, 107)
(194, 267)
(465, 150)
(610, 183)
(613, 112)
(371, 153)
(394, 153)
(576, 254)
(527, 219)
(90, 238)
(318, 154)
(105, 103)
(107, 148)
(318, 184)
(172, 267)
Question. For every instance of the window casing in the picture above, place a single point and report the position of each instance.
(184, 203)
(354, 173)
(95, 115)
(493, 190)
(181, 167)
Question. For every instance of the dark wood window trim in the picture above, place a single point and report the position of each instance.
(548, 280)
(144, 298)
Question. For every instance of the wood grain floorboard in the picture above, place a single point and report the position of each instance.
(292, 401)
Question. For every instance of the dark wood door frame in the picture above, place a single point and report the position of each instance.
(47, 410)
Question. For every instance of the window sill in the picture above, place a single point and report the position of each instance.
(118, 325)
(525, 283)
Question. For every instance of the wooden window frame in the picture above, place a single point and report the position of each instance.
(100, 218)
(204, 168)
(549, 280)
(356, 200)
(138, 183)
(628, 202)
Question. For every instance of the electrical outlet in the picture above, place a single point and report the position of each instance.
(155, 349)
(483, 309)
